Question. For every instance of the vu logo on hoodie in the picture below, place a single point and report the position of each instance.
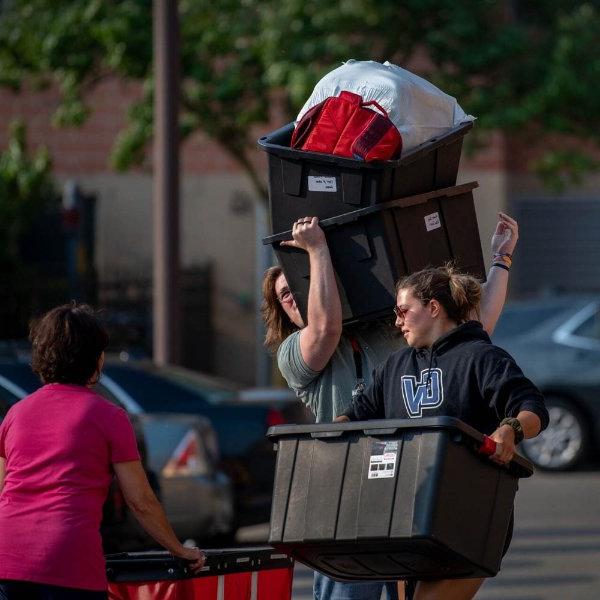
(425, 394)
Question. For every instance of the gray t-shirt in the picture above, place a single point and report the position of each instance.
(328, 393)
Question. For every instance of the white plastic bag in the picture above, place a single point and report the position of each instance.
(417, 108)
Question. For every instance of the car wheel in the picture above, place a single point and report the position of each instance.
(564, 443)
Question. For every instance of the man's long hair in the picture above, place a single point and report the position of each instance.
(278, 323)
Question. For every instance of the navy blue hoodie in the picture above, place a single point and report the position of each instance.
(463, 375)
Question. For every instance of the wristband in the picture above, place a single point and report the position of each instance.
(501, 266)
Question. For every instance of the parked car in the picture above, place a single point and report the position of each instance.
(240, 417)
(556, 341)
(181, 456)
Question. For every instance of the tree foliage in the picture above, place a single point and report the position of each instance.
(26, 190)
(515, 65)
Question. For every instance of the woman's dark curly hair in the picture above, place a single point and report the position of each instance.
(67, 343)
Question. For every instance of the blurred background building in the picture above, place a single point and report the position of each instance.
(95, 242)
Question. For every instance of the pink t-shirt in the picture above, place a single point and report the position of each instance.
(59, 444)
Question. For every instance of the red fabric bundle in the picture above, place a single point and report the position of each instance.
(344, 126)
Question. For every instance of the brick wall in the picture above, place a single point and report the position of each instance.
(86, 150)
(74, 151)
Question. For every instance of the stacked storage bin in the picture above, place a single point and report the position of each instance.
(392, 499)
(389, 499)
(382, 220)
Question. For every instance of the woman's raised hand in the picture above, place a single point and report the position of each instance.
(506, 235)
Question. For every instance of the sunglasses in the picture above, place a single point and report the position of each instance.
(400, 312)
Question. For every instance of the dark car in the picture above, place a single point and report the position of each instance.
(556, 341)
(240, 418)
(180, 454)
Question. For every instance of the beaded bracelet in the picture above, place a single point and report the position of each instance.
(503, 258)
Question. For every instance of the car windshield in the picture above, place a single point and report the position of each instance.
(157, 391)
(517, 320)
(212, 389)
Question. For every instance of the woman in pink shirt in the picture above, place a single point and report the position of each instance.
(59, 448)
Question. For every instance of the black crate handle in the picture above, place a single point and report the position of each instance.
(159, 565)
(486, 447)
(326, 434)
(362, 212)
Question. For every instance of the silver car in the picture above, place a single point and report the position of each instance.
(556, 341)
(180, 454)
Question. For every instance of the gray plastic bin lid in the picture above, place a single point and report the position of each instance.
(519, 466)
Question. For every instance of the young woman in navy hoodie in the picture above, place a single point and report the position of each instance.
(451, 368)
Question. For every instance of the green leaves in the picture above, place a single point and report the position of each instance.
(26, 188)
(559, 169)
(515, 65)
(22, 177)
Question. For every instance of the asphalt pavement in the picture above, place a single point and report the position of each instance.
(555, 552)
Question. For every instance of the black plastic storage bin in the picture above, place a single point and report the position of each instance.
(324, 185)
(391, 499)
(371, 248)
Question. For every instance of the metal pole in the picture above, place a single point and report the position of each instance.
(166, 347)
(264, 259)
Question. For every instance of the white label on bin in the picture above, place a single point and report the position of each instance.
(321, 184)
(432, 221)
(383, 460)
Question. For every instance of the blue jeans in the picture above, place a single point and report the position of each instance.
(325, 588)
